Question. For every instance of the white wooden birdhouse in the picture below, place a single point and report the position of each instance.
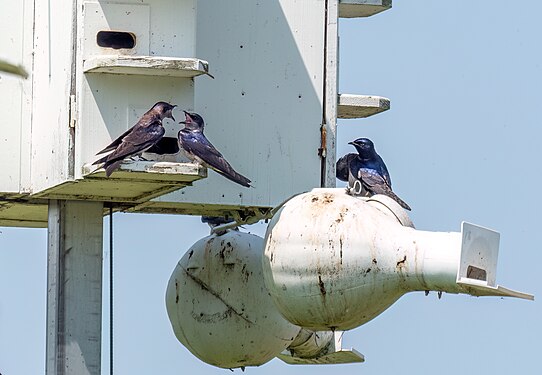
(96, 66)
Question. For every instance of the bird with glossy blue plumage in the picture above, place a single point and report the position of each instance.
(367, 169)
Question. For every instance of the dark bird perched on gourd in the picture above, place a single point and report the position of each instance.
(138, 139)
(341, 167)
(198, 148)
(366, 172)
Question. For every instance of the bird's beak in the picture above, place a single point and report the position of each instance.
(351, 143)
(188, 118)
(171, 112)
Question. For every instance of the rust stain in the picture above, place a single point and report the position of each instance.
(176, 291)
(225, 247)
(323, 136)
(209, 246)
(328, 198)
(245, 273)
(342, 214)
(401, 263)
(321, 285)
(321, 201)
(341, 249)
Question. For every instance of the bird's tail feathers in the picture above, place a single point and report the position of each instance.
(110, 168)
(107, 149)
(235, 177)
(101, 160)
(401, 202)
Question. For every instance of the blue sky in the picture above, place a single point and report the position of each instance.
(461, 142)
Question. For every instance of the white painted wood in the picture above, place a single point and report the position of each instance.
(263, 111)
(74, 288)
(51, 139)
(147, 65)
(134, 182)
(23, 214)
(362, 8)
(150, 171)
(162, 27)
(72, 115)
(360, 106)
(108, 104)
(102, 106)
(331, 86)
(16, 96)
(132, 18)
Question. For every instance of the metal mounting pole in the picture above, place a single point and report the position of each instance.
(74, 288)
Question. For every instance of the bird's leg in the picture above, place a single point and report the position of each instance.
(138, 158)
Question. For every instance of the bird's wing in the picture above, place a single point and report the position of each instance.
(137, 141)
(144, 134)
(113, 145)
(373, 182)
(227, 171)
(200, 146)
(384, 171)
(101, 160)
(197, 144)
(342, 166)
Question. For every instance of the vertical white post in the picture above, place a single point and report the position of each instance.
(330, 92)
(74, 288)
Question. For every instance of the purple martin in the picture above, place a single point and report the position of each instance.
(369, 169)
(341, 168)
(138, 139)
(198, 148)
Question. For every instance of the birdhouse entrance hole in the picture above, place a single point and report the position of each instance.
(166, 145)
(116, 39)
(476, 273)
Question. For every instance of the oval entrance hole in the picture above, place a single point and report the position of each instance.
(115, 39)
